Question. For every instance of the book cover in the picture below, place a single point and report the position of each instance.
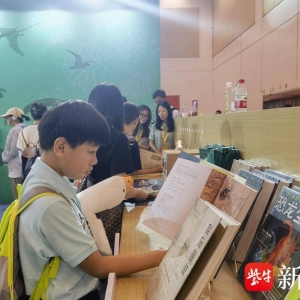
(232, 198)
(252, 180)
(280, 175)
(255, 218)
(296, 188)
(212, 186)
(278, 243)
(150, 186)
(184, 252)
(211, 258)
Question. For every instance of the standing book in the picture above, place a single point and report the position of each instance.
(278, 243)
(266, 189)
(235, 199)
(191, 250)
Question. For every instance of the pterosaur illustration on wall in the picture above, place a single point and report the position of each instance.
(2, 90)
(12, 35)
(79, 64)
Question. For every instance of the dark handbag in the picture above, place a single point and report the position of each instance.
(29, 156)
(111, 218)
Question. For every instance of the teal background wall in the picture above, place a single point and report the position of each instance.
(120, 45)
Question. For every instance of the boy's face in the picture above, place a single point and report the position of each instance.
(79, 162)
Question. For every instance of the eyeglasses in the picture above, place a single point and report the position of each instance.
(144, 116)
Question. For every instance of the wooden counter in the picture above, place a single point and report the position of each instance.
(137, 238)
(270, 137)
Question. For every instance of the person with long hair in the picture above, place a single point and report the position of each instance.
(162, 131)
(14, 117)
(131, 118)
(142, 130)
(114, 158)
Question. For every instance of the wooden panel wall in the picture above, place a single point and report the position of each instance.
(179, 32)
(230, 19)
(269, 5)
(270, 137)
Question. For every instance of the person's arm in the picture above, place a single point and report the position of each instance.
(100, 266)
(145, 147)
(153, 147)
(10, 150)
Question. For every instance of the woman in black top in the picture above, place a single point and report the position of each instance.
(113, 159)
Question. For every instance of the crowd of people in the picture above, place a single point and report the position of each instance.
(79, 141)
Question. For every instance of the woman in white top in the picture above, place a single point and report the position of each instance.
(29, 137)
(14, 117)
(162, 132)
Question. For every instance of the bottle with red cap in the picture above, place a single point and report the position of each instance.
(241, 96)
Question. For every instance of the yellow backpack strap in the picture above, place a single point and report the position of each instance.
(49, 273)
(51, 269)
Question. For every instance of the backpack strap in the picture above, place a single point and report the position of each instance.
(34, 194)
(51, 269)
(24, 138)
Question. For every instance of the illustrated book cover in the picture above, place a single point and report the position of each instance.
(278, 243)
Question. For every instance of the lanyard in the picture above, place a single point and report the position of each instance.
(139, 137)
(165, 137)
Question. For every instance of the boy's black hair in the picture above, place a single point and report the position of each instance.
(107, 99)
(160, 93)
(38, 110)
(146, 130)
(76, 121)
(170, 120)
(131, 112)
(218, 112)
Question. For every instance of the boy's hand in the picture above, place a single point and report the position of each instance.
(141, 195)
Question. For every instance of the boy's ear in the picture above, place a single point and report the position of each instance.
(59, 146)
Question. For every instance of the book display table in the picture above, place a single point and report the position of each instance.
(137, 238)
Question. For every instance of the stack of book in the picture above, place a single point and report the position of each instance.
(220, 155)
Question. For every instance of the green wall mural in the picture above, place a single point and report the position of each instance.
(54, 55)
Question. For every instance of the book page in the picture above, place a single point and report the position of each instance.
(183, 253)
(177, 197)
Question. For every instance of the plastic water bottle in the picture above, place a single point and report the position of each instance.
(241, 96)
(184, 112)
(232, 99)
(227, 97)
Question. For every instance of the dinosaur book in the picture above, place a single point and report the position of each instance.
(278, 243)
